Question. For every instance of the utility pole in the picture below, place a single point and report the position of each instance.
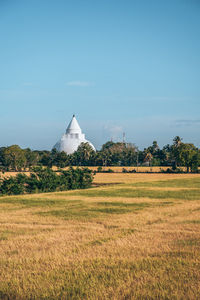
(124, 137)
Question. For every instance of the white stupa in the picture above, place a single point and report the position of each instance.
(72, 138)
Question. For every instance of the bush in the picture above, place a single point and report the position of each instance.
(13, 185)
(46, 180)
(128, 171)
(171, 170)
(110, 171)
(99, 169)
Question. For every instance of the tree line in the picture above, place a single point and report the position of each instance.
(13, 158)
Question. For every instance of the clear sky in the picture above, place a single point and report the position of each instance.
(128, 66)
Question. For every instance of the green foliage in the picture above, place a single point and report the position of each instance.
(121, 154)
(14, 158)
(32, 158)
(46, 180)
(178, 154)
(189, 156)
(13, 185)
(99, 169)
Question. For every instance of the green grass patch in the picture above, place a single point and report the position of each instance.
(66, 214)
(192, 222)
(191, 194)
(124, 204)
(87, 210)
(37, 202)
(84, 212)
(110, 210)
(6, 234)
(184, 183)
(188, 242)
(120, 207)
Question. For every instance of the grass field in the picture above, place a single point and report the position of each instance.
(113, 168)
(133, 236)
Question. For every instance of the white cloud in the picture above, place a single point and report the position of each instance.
(114, 132)
(79, 83)
(187, 122)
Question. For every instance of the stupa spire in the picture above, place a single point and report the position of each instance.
(73, 126)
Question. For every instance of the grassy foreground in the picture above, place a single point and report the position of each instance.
(138, 238)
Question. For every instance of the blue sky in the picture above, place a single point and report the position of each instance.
(128, 66)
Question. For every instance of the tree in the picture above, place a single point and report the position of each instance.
(177, 141)
(175, 152)
(46, 159)
(129, 156)
(107, 146)
(84, 155)
(32, 158)
(153, 154)
(61, 159)
(2, 158)
(195, 162)
(148, 157)
(14, 158)
(119, 154)
(189, 156)
(103, 158)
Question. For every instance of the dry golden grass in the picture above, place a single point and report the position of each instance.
(137, 169)
(104, 243)
(8, 174)
(117, 170)
(137, 177)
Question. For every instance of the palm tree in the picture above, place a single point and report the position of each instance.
(176, 151)
(148, 157)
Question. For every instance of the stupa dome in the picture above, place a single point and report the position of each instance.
(72, 138)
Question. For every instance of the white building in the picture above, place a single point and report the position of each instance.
(72, 138)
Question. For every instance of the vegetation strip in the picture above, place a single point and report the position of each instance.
(178, 157)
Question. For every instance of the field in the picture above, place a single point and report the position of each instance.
(132, 236)
(114, 169)
(140, 169)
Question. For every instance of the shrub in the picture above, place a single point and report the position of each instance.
(110, 171)
(13, 185)
(132, 171)
(171, 170)
(99, 169)
(46, 180)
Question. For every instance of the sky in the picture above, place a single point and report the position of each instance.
(129, 66)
